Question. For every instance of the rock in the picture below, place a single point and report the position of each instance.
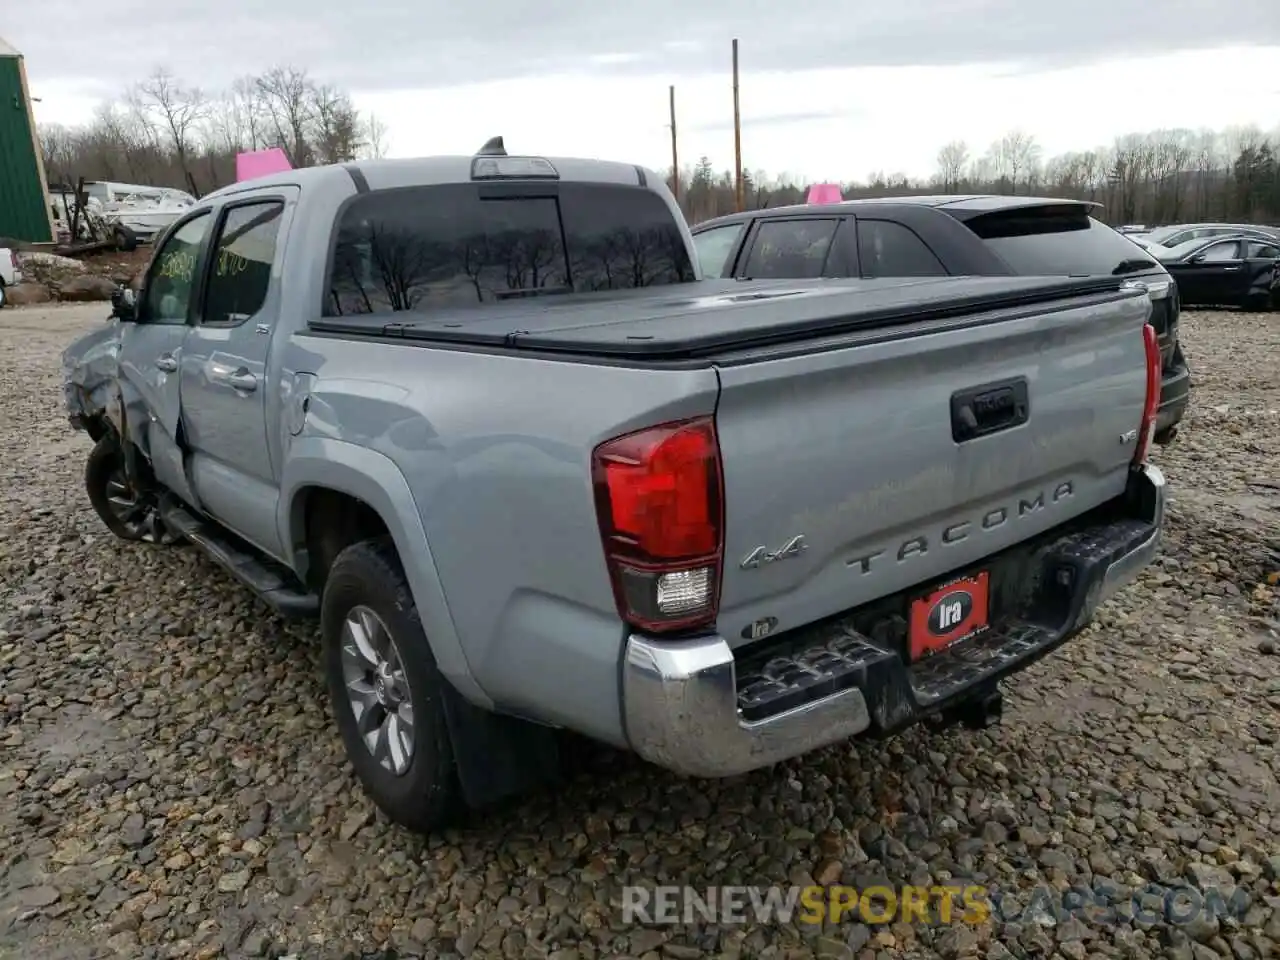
(49, 267)
(644, 940)
(40, 896)
(355, 820)
(956, 941)
(172, 786)
(134, 832)
(827, 872)
(86, 288)
(1101, 863)
(26, 294)
(829, 948)
(234, 881)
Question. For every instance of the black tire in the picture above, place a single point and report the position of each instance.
(427, 795)
(103, 475)
(125, 239)
(4, 296)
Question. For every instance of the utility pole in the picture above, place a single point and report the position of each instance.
(675, 160)
(737, 134)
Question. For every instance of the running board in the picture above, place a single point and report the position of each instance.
(271, 581)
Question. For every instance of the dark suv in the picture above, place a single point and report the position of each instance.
(955, 235)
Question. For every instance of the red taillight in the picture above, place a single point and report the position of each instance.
(1152, 405)
(659, 503)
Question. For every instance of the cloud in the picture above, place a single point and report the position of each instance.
(381, 46)
(768, 120)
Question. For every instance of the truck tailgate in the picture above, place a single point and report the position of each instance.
(852, 470)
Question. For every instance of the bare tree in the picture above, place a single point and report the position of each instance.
(176, 112)
(952, 159)
(1019, 156)
(286, 97)
(59, 147)
(375, 142)
(336, 127)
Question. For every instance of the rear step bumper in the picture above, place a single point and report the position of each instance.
(692, 707)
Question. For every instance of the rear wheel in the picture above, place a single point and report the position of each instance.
(4, 296)
(385, 688)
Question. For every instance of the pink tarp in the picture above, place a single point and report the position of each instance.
(825, 193)
(259, 163)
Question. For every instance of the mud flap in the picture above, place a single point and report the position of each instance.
(498, 756)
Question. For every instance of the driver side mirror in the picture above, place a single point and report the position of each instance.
(124, 304)
(1198, 258)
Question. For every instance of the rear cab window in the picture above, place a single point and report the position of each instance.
(1057, 240)
(455, 245)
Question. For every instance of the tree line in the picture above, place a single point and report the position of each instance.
(164, 132)
(1163, 176)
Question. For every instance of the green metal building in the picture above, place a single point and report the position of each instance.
(24, 195)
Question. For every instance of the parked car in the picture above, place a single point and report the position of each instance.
(10, 273)
(1179, 233)
(949, 235)
(483, 419)
(1238, 271)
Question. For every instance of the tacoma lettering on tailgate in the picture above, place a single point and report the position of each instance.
(955, 532)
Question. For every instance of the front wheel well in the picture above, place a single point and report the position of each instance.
(330, 522)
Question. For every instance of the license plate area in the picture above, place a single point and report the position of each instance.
(954, 611)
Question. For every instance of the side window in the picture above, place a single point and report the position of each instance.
(889, 249)
(171, 277)
(842, 261)
(1263, 251)
(714, 246)
(790, 249)
(241, 269)
(1230, 250)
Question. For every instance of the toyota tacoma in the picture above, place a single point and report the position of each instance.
(483, 418)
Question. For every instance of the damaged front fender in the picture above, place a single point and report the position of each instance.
(90, 381)
(98, 399)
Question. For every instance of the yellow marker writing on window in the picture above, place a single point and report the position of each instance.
(178, 265)
(230, 263)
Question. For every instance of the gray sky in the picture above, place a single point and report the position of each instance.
(829, 90)
(376, 45)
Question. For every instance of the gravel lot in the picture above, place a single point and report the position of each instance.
(171, 785)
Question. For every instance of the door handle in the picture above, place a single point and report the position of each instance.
(1230, 269)
(243, 380)
(167, 363)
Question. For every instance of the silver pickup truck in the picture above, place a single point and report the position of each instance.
(482, 417)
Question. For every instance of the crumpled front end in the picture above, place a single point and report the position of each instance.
(90, 379)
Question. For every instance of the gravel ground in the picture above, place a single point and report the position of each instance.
(171, 785)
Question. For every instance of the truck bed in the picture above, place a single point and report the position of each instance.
(705, 320)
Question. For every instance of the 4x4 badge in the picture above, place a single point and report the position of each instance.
(762, 554)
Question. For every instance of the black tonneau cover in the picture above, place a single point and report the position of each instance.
(698, 319)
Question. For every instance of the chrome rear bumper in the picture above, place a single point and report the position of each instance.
(682, 702)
